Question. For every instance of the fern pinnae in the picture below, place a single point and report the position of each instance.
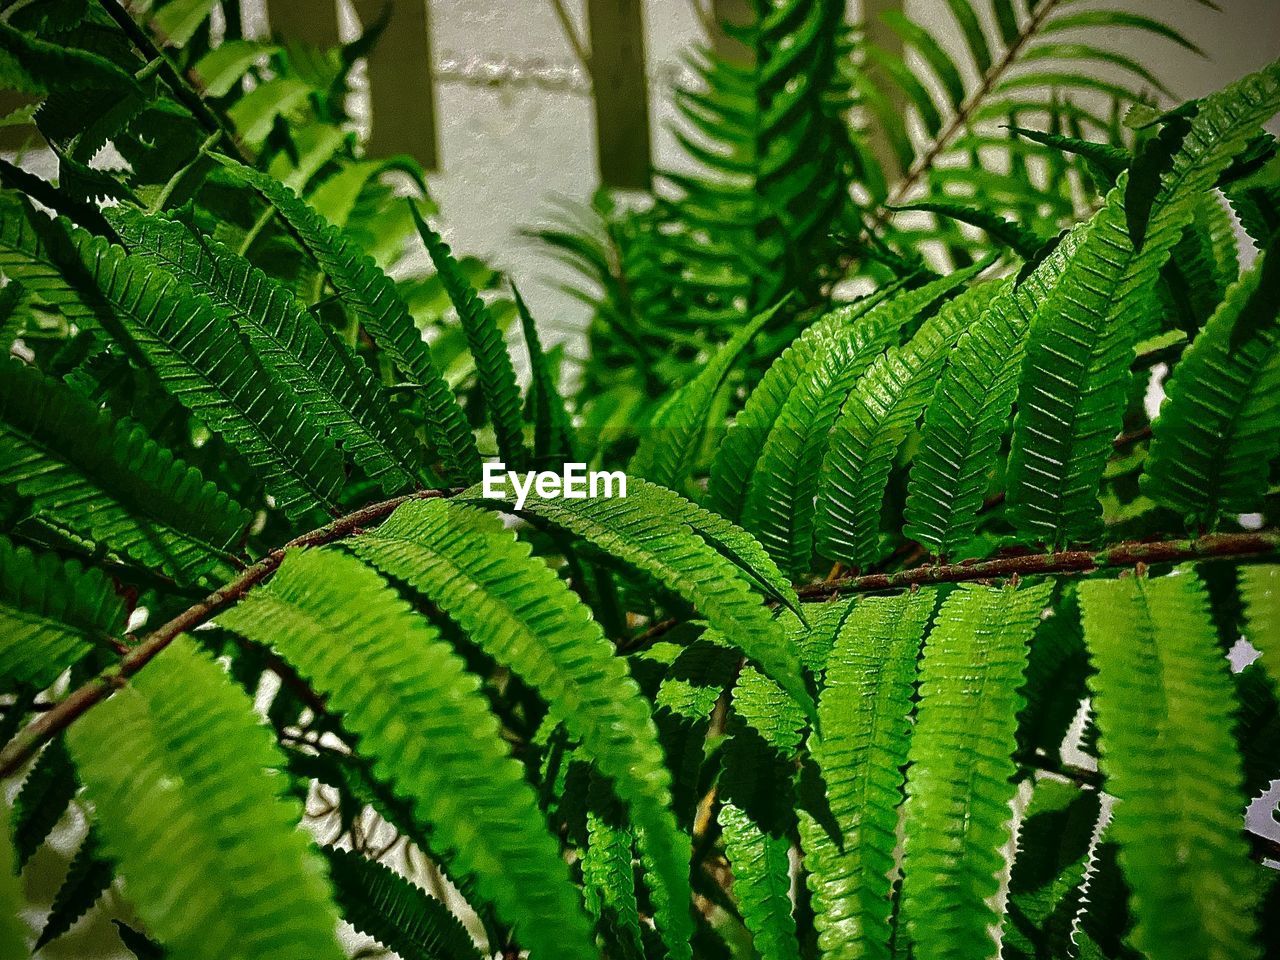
(423, 721)
(105, 483)
(179, 742)
(1217, 430)
(969, 412)
(779, 506)
(1260, 593)
(516, 609)
(494, 372)
(959, 786)
(372, 298)
(1072, 393)
(865, 710)
(873, 425)
(553, 433)
(1177, 780)
(47, 792)
(761, 867)
(608, 874)
(87, 879)
(335, 387)
(641, 530)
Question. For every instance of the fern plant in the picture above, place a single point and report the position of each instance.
(908, 637)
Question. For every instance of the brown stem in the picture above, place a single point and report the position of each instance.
(964, 114)
(24, 746)
(1219, 545)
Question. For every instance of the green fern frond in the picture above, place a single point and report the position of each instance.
(969, 413)
(959, 786)
(46, 793)
(608, 874)
(761, 864)
(52, 614)
(1176, 776)
(516, 609)
(873, 424)
(396, 912)
(865, 710)
(182, 782)
(767, 709)
(1077, 364)
(494, 372)
(87, 879)
(105, 483)
(554, 438)
(780, 507)
(644, 530)
(371, 297)
(336, 388)
(675, 434)
(422, 721)
(30, 64)
(1260, 591)
(1219, 427)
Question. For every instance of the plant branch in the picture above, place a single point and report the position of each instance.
(963, 116)
(1129, 554)
(24, 746)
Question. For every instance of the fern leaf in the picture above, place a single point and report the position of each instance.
(1260, 591)
(1077, 365)
(874, 423)
(767, 709)
(106, 483)
(340, 625)
(87, 879)
(179, 774)
(14, 936)
(1219, 427)
(959, 786)
(675, 434)
(608, 874)
(761, 866)
(335, 387)
(33, 65)
(494, 372)
(1176, 777)
(46, 793)
(779, 506)
(969, 412)
(51, 615)
(553, 434)
(640, 530)
(198, 354)
(371, 297)
(397, 913)
(865, 710)
(516, 609)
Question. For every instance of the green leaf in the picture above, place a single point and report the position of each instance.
(46, 793)
(1260, 591)
(644, 529)
(866, 730)
(1076, 373)
(1005, 232)
(971, 27)
(515, 608)
(178, 20)
(225, 65)
(780, 506)
(31, 65)
(674, 435)
(761, 865)
(106, 483)
(336, 389)
(371, 297)
(14, 935)
(959, 786)
(968, 416)
(423, 723)
(608, 874)
(88, 877)
(873, 425)
(494, 372)
(52, 614)
(181, 778)
(397, 913)
(553, 433)
(1219, 427)
(1176, 776)
(1113, 19)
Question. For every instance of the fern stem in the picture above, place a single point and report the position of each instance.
(24, 746)
(1215, 546)
(942, 142)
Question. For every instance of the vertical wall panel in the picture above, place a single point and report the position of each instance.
(401, 88)
(621, 91)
